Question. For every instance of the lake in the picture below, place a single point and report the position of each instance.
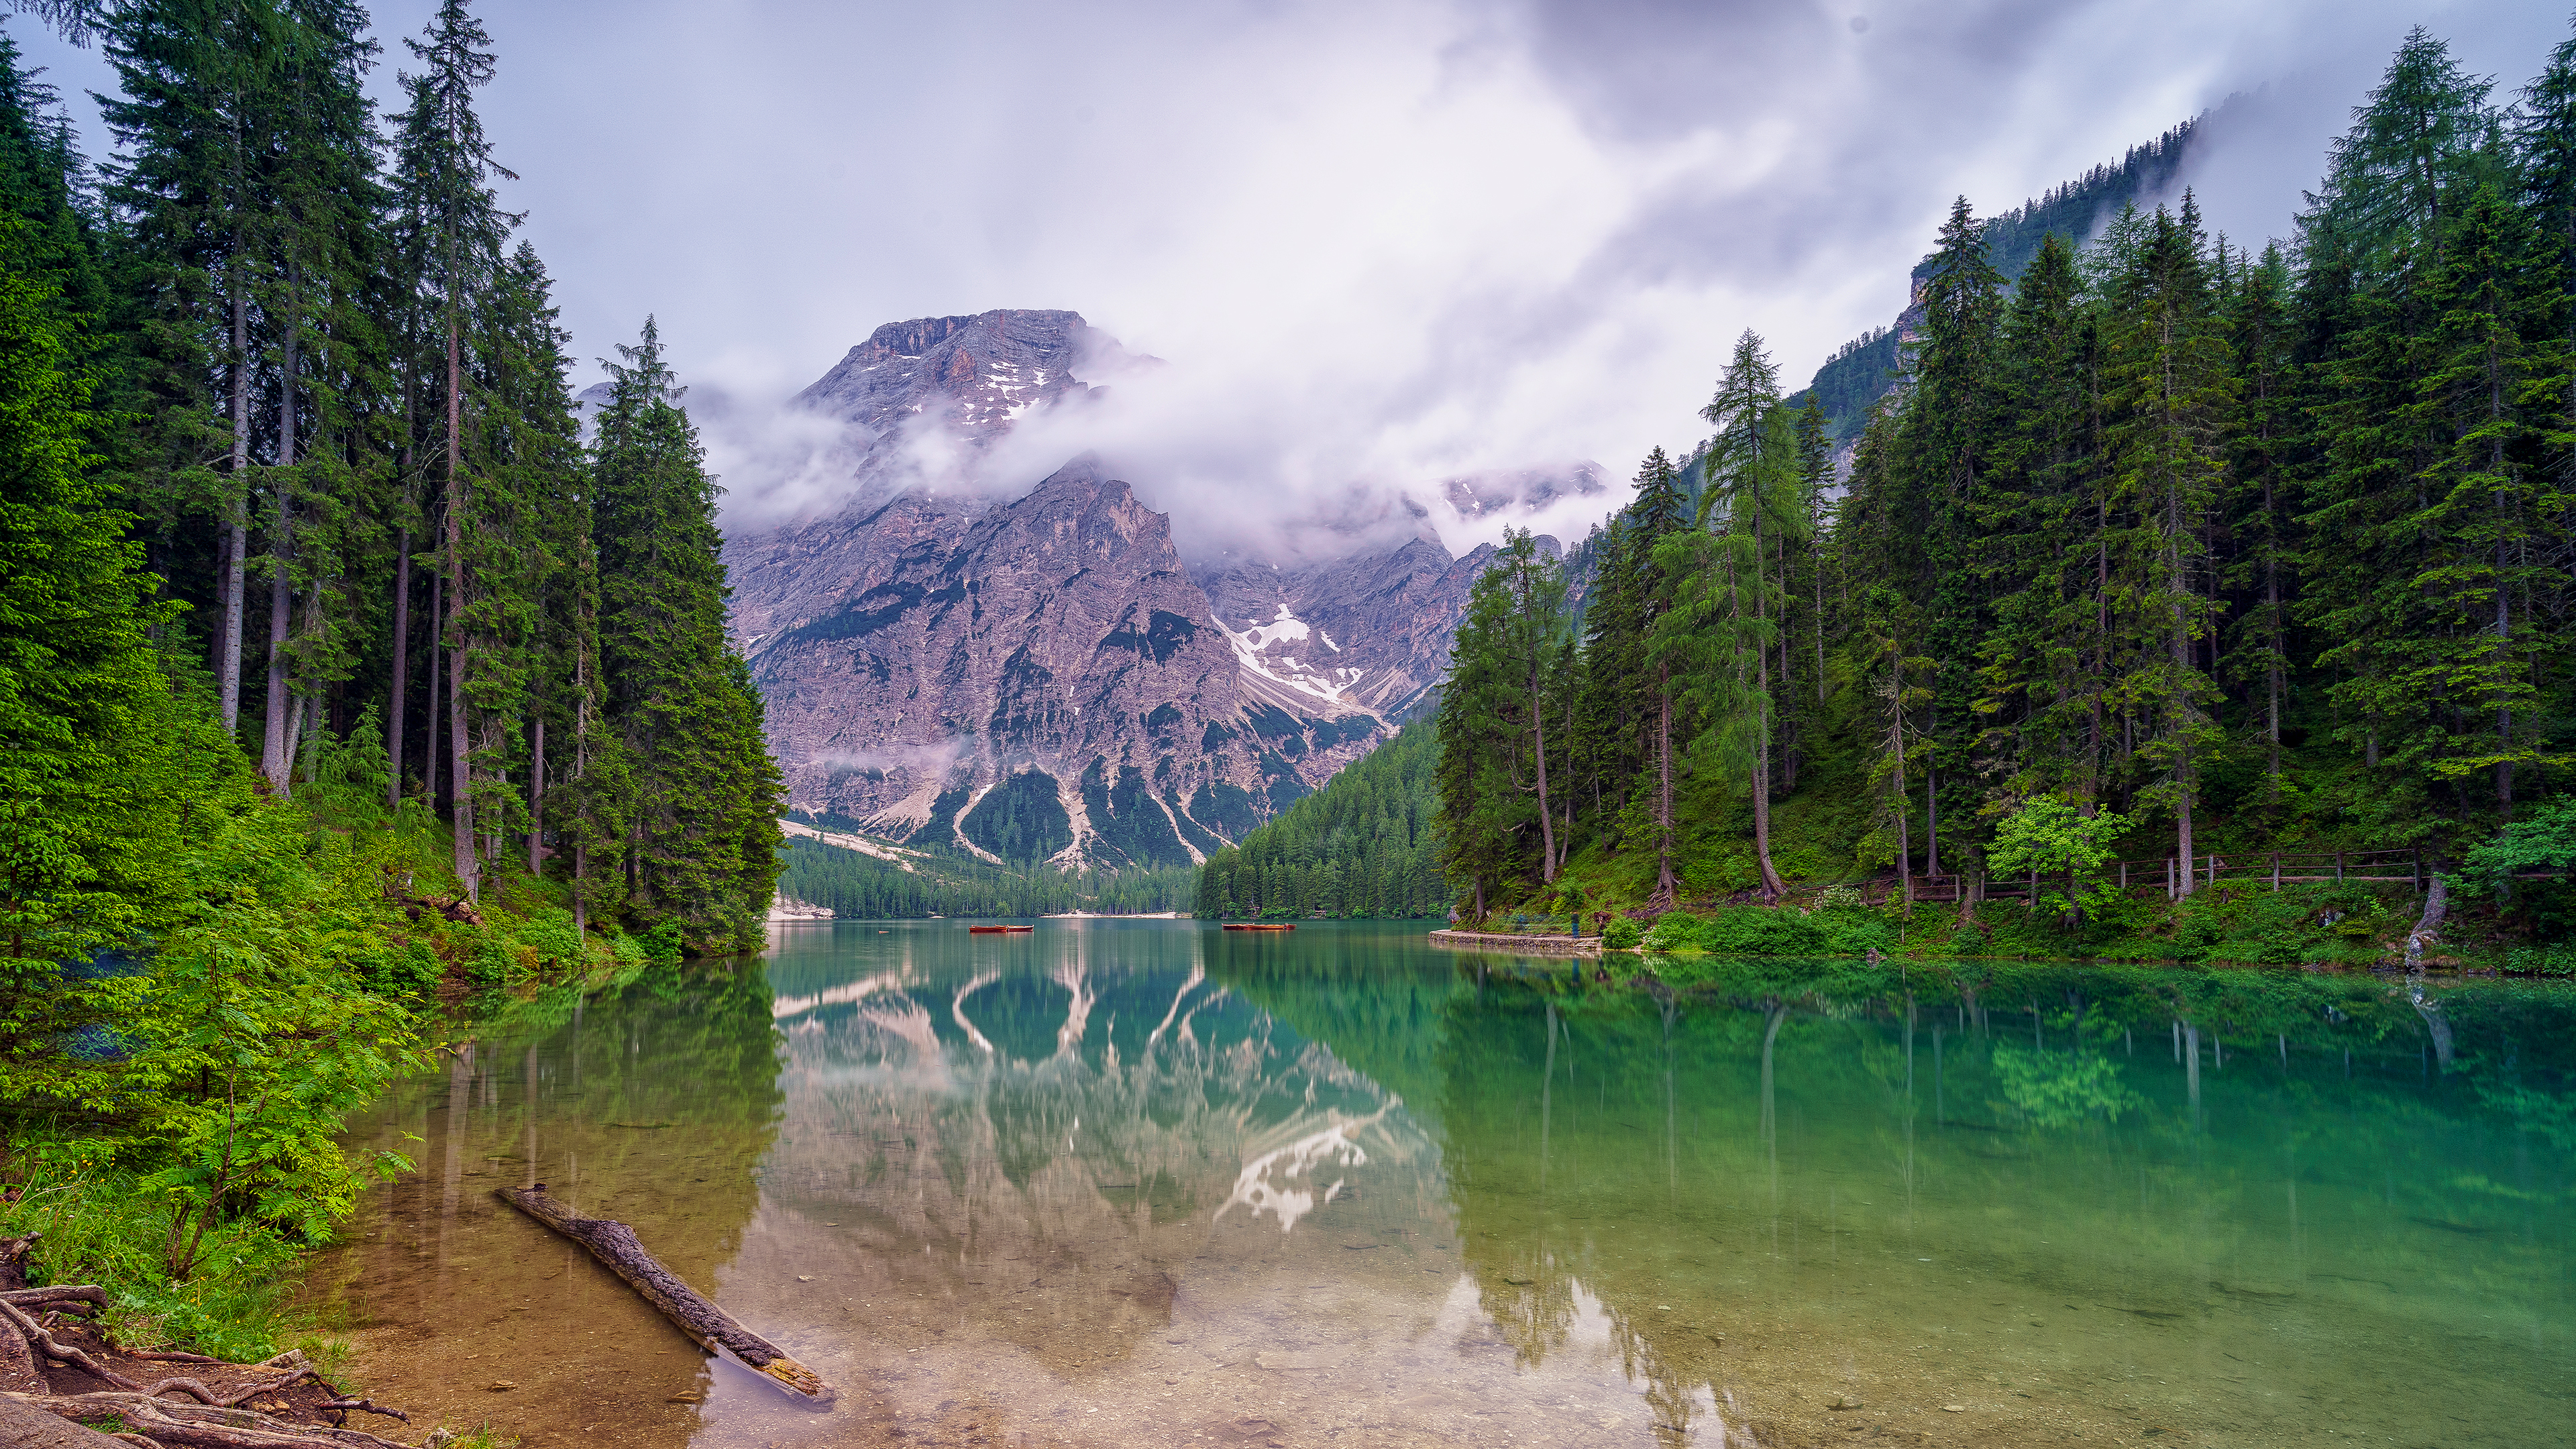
(1147, 1182)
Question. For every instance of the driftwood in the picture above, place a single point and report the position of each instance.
(614, 1244)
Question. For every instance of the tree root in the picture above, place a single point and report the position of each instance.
(347, 1406)
(62, 1297)
(202, 1426)
(60, 1352)
(161, 1414)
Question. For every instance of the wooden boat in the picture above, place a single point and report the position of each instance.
(1258, 926)
(996, 930)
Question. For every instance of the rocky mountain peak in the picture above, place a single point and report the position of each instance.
(977, 374)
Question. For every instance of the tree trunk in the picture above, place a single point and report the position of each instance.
(1546, 823)
(537, 799)
(277, 745)
(1665, 889)
(401, 670)
(1772, 886)
(229, 589)
(581, 773)
(429, 766)
(614, 1244)
(1896, 744)
(460, 778)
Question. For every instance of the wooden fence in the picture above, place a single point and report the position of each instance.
(2269, 867)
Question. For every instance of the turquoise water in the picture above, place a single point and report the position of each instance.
(1147, 1182)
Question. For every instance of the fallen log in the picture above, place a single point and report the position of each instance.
(613, 1243)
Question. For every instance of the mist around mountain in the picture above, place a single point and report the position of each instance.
(1043, 679)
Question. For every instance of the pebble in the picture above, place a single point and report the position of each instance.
(1845, 1401)
(502, 1386)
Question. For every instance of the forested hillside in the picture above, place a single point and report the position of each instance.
(334, 670)
(1860, 371)
(2167, 547)
(855, 885)
(1361, 846)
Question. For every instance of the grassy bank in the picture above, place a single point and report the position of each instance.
(175, 1093)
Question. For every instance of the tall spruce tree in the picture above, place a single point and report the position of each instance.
(443, 170)
(702, 832)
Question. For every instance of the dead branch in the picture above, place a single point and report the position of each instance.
(614, 1244)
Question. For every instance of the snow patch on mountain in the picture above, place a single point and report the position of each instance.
(1259, 650)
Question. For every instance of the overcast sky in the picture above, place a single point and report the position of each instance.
(1381, 242)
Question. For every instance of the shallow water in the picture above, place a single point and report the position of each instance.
(1146, 1182)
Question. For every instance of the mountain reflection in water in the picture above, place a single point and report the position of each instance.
(1121, 1182)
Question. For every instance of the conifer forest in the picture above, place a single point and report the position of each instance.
(2165, 547)
(342, 661)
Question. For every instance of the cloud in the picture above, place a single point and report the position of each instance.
(1380, 244)
(930, 761)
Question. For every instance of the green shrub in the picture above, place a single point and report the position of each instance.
(1763, 931)
(2558, 958)
(549, 932)
(662, 943)
(401, 968)
(1674, 931)
(1622, 934)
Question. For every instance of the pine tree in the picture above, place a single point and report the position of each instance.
(2262, 337)
(442, 174)
(2491, 298)
(1755, 472)
(1943, 453)
(197, 110)
(81, 693)
(702, 833)
(2169, 392)
(324, 355)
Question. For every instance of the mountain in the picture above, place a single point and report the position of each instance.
(1039, 682)
(1863, 370)
(1372, 630)
(1046, 679)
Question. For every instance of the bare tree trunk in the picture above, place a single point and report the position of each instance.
(1665, 888)
(1931, 818)
(1772, 886)
(437, 671)
(229, 589)
(1538, 733)
(2503, 600)
(401, 670)
(1896, 745)
(537, 798)
(468, 871)
(2272, 639)
(277, 747)
(580, 773)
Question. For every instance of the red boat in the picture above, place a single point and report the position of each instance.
(996, 930)
(1256, 926)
